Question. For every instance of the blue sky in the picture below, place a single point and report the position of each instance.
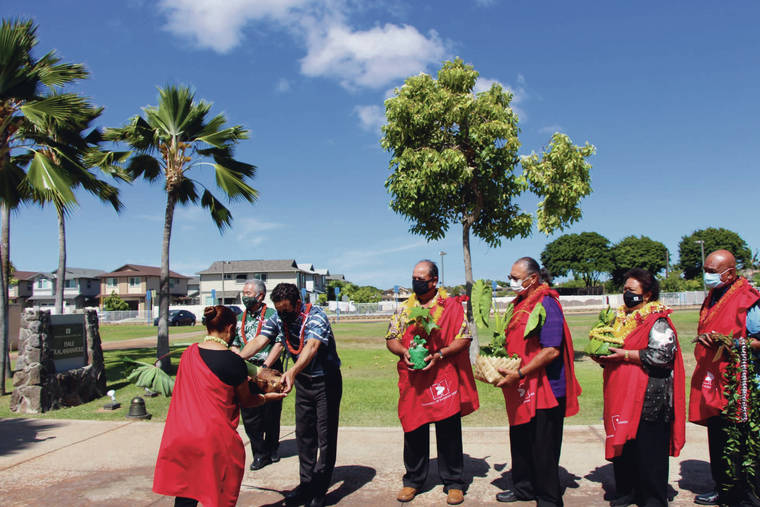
(667, 93)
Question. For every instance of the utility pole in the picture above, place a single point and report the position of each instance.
(442, 254)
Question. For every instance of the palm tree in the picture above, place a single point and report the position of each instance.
(66, 144)
(170, 140)
(21, 103)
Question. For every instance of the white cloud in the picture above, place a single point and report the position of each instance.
(371, 118)
(356, 58)
(250, 230)
(551, 129)
(282, 86)
(370, 58)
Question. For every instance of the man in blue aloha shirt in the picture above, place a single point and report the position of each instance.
(315, 373)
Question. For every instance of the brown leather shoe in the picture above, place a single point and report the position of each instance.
(406, 494)
(455, 497)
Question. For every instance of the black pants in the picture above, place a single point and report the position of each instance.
(732, 492)
(536, 447)
(642, 467)
(317, 411)
(262, 425)
(181, 501)
(448, 436)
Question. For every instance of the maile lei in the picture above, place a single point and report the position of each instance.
(743, 409)
(258, 329)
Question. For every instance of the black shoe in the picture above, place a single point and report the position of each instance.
(510, 496)
(317, 501)
(710, 498)
(274, 456)
(623, 501)
(299, 494)
(260, 462)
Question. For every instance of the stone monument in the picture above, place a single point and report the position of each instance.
(60, 362)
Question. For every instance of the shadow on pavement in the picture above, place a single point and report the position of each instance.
(606, 476)
(473, 467)
(19, 434)
(696, 476)
(351, 478)
(566, 479)
(288, 448)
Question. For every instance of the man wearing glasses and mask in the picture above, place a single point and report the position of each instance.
(731, 309)
(262, 424)
(441, 392)
(315, 373)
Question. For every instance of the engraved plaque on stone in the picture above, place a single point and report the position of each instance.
(69, 341)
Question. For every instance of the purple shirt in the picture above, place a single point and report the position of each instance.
(552, 333)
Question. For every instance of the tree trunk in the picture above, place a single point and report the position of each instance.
(4, 279)
(162, 345)
(475, 345)
(60, 278)
(467, 265)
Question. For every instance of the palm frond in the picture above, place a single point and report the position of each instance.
(219, 214)
(144, 165)
(47, 179)
(232, 182)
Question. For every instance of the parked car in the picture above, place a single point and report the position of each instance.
(179, 318)
(236, 310)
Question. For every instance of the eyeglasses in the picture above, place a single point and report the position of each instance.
(422, 280)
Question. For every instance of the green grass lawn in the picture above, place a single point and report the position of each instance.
(116, 332)
(370, 390)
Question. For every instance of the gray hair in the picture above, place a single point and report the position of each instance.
(259, 287)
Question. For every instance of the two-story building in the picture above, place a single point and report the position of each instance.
(132, 283)
(81, 287)
(22, 287)
(223, 281)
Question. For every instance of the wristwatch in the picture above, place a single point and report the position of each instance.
(520, 373)
(440, 354)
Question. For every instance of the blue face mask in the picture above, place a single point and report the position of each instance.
(712, 280)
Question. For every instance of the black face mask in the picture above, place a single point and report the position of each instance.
(252, 304)
(630, 299)
(420, 287)
(288, 317)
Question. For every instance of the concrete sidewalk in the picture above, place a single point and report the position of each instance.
(67, 463)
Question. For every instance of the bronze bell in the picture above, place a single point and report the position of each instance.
(137, 409)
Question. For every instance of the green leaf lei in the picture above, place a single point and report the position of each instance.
(743, 409)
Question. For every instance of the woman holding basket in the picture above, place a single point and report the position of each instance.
(644, 403)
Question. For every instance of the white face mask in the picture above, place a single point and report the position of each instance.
(517, 285)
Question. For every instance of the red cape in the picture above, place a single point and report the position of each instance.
(534, 391)
(201, 454)
(729, 317)
(449, 386)
(625, 386)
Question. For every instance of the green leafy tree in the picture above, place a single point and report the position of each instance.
(168, 141)
(690, 251)
(642, 252)
(586, 256)
(114, 303)
(675, 282)
(454, 160)
(23, 165)
(366, 294)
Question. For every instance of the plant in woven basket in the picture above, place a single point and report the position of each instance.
(601, 336)
(494, 355)
(743, 409)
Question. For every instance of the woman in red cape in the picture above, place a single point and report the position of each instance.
(542, 391)
(201, 457)
(644, 394)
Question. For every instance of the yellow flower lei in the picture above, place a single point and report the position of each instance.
(625, 323)
(413, 301)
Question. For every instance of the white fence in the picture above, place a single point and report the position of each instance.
(349, 308)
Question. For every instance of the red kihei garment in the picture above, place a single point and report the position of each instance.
(728, 317)
(534, 391)
(449, 386)
(625, 386)
(201, 455)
